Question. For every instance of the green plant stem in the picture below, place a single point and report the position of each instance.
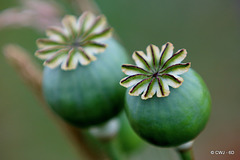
(105, 134)
(186, 154)
(111, 150)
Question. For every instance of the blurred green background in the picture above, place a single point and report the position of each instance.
(209, 30)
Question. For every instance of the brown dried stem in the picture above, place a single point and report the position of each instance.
(32, 76)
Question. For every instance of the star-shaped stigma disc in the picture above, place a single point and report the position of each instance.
(76, 42)
(155, 71)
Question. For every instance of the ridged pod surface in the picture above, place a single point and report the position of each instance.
(88, 95)
(175, 119)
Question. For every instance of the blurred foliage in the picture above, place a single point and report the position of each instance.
(127, 139)
(209, 30)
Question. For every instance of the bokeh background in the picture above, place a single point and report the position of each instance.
(209, 30)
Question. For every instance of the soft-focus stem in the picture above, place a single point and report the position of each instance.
(185, 151)
(32, 75)
(67, 6)
(186, 154)
(106, 133)
(112, 153)
(88, 5)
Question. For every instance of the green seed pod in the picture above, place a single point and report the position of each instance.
(167, 119)
(88, 93)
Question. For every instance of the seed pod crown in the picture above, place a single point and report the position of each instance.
(155, 71)
(77, 42)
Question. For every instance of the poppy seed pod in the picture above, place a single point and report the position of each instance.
(174, 115)
(81, 74)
